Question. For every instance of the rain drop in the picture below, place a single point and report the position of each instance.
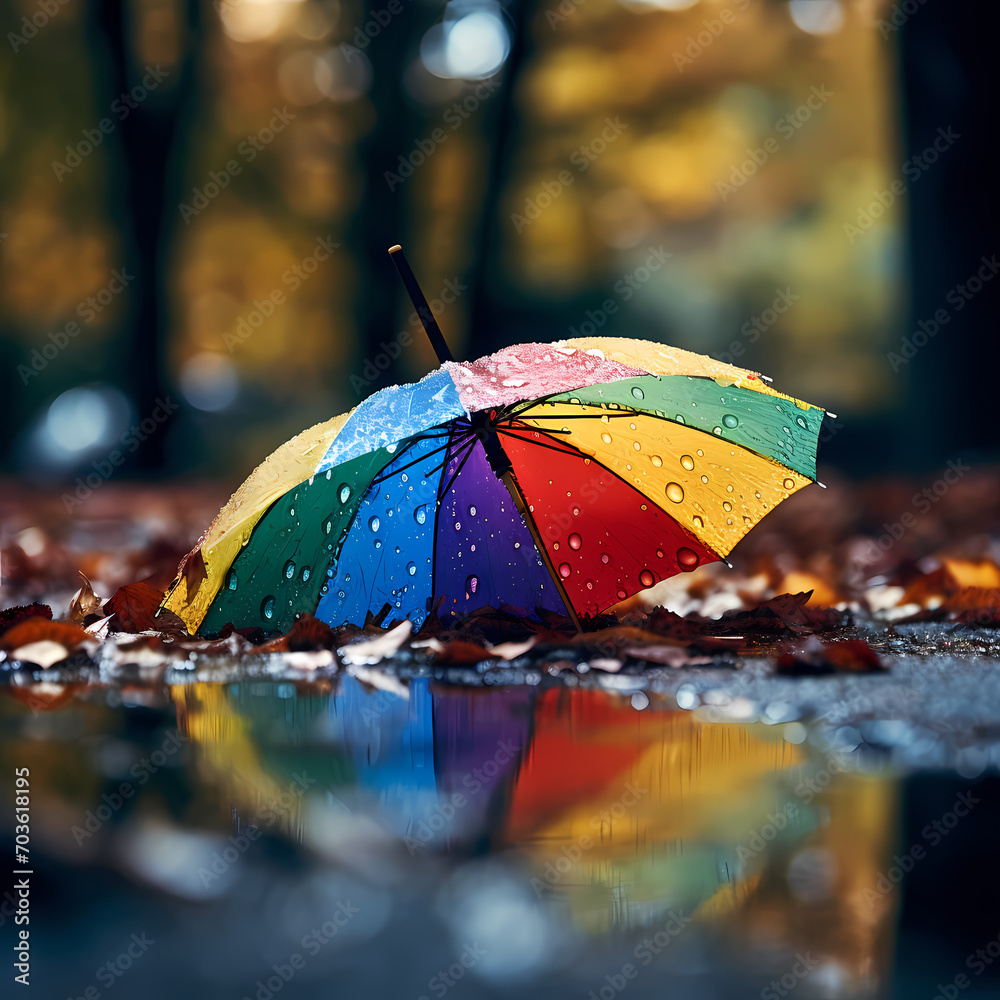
(688, 462)
(231, 579)
(606, 437)
(347, 576)
(472, 512)
(328, 525)
(656, 460)
(621, 594)
(675, 492)
(458, 525)
(565, 570)
(789, 484)
(636, 445)
(471, 584)
(729, 420)
(420, 515)
(373, 522)
(680, 419)
(344, 492)
(638, 393)
(659, 553)
(289, 569)
(411, 568)
(801, 423)
(726, 505)
(575, 541)
(605, 558)
(646, 578)
(687, 559)
(267, 607)
(716, 430)
(590, 585)
(697, 521)
(704, 479)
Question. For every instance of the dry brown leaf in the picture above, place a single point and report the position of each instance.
(84, 603)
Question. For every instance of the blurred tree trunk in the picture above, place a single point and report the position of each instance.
(146, 186)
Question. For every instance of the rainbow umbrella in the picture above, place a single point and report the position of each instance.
(547, 477)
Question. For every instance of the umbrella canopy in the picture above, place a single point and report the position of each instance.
(560, 477)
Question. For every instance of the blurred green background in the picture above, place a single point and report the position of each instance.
(198, 197)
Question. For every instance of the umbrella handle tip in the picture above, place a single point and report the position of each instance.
(393, 249)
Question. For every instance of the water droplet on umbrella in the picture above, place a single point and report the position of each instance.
(605, 558)
(801, 423)
(606, 437)
(472, 512)
(789, 484)
(420, 515)
(638, 393)
(347, 576)
(411, 568)
(517, 545)
(726, 505)
(688, 462)
(621, 594)
(458, 525)
(378, 543)
(324, 589)
(590, 585)
(687, 559)
(344, 492)
(716, 430)
(405, 478)
(373, 522)
(704, 479)
(289, 569)
(576, 511)
(267, 607)
(656, 460)
(575, 541)
(564, 570)
(680, 419)
(231, 579)
(729, 420)
(697, 521)
(328, 525)
(291, 512)
(341, 594)
(675, 492)
(471, 585)
(646, 578)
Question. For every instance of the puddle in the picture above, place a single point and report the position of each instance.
(332, 838)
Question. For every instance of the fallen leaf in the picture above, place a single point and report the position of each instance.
(374, 650)
(134, 608)
(9, 617)
(671, 656)
(84, 604)
(194, 571)
(457, 651)
(44, 642)
(817, 657)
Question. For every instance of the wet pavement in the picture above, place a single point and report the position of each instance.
(259, 830)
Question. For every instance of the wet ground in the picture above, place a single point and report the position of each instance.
(559, 824)
(258, 830)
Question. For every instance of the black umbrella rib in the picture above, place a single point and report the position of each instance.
(461, 465)
(416, 461)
